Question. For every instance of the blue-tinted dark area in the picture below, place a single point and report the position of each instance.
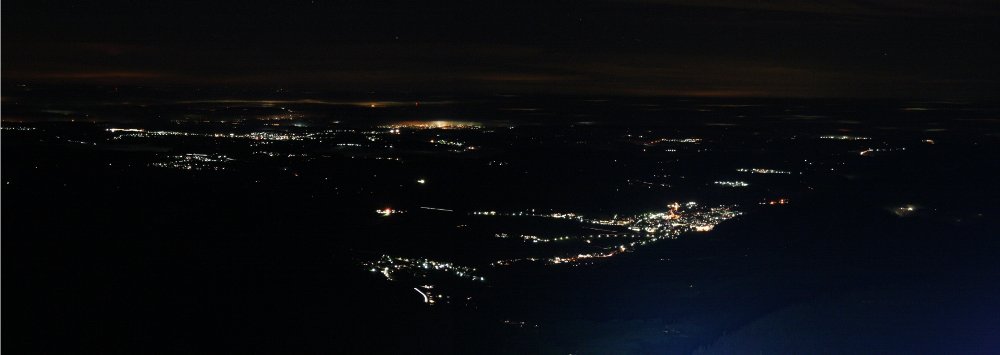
(183, 220)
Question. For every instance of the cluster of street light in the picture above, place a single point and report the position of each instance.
(869, 151)
(440, 124)
(194, 161)
(642, 229)
(460, 146)
(421, 271)
(733, 183)
(845, 138)
(389, 266)
(123, 133)
(762, 171)
(673, 140)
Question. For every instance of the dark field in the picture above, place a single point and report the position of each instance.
(120, 241)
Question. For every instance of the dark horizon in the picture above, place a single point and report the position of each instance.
(819, 49)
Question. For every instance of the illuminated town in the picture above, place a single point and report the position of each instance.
(732, 183)
(422, 272)
(846, 138)
(762, 171)
(634, 231)
(194, 161)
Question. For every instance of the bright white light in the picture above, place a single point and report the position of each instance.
(426, 299)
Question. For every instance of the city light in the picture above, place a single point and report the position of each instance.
(845, 138)
(386, 212)
(763, 171)
(638, 230)
(421, 272)
(194, 161)
(732, 183)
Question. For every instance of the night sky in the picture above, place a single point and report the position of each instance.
(773, 48)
